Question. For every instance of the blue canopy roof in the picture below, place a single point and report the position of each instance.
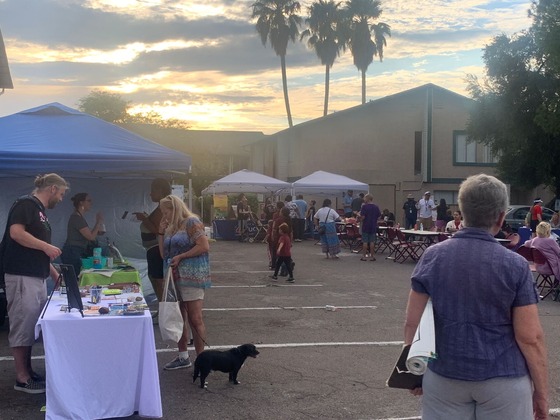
(56, 138)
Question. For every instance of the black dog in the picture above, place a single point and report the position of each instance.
(225, 361)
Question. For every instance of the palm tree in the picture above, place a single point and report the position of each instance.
(327, 36)
(278, 23)
(363, 48)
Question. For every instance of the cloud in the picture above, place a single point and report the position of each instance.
(204, 61)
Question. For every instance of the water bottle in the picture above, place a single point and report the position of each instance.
(421, 226)
(97, 258)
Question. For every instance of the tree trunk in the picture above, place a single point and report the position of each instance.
(363, 87)
(285, 88)
(327, 81)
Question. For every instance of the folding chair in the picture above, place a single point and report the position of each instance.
(353, 237)
(342, 235)
(527, 253)
(391, 243)
(442, 237)
(382, 241)
(406, 249)
(546, 275)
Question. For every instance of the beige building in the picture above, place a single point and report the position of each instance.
(214, 154)
(401, 144)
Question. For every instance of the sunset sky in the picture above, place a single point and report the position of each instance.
(203, 61)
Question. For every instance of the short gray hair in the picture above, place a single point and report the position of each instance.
(481, 199)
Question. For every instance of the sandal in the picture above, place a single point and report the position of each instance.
(373, 259)
(363, 259)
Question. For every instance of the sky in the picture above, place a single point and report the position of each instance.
(203, 61)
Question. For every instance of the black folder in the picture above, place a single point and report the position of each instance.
(400, 376)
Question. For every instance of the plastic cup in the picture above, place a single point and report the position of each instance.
(109, 262)
(95, 294)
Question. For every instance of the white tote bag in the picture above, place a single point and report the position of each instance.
(169, 317)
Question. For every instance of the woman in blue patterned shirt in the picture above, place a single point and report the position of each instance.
(184, 247)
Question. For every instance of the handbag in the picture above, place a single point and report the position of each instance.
(170, 318)
(323, 229)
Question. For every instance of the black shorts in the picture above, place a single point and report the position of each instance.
(534, 224)
(155, 263)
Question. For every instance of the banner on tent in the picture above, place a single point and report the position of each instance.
(220, 206)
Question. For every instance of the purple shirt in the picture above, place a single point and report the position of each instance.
(370, 213)
(474, 283)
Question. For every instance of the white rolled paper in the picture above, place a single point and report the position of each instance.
(423, 346)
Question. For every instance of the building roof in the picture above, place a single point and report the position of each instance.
(380, 101)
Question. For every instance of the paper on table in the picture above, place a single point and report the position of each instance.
(423, 346)
(103, 271)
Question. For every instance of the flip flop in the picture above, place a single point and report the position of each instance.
(373, 259)
(363, 259)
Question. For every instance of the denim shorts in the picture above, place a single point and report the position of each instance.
(369, 237)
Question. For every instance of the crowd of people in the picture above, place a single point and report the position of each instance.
(474, 374)
(174, 239)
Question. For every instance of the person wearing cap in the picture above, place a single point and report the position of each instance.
(425, 207)
(536, 215)
(410, 212)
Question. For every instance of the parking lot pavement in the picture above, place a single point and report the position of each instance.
(315, 362)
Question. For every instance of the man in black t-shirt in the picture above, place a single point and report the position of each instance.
(27, 260)
(357, 204)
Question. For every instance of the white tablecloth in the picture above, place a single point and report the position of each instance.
(99, 367)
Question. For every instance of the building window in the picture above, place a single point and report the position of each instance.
(470, 152)
(417, 152)
(449, 196)
(465, 152)
(487, 155)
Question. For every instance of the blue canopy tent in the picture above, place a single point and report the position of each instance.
(55, 138)
(113, 165)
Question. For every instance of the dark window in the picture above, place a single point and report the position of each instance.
(417, 152)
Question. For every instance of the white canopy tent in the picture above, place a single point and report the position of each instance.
(326, 183)
(245, 181)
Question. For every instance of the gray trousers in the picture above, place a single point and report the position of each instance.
(493, 399)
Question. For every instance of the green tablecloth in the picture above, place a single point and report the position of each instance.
(87, 279)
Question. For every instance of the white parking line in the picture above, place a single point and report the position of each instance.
(268, 346)
(266, 285)
(403, 418)
(273, 308)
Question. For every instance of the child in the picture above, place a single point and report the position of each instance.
(283, 253)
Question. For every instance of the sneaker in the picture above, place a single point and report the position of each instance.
(178, 363)
(274, 277)
(290, 280)
(297, 240)
(30, 387)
